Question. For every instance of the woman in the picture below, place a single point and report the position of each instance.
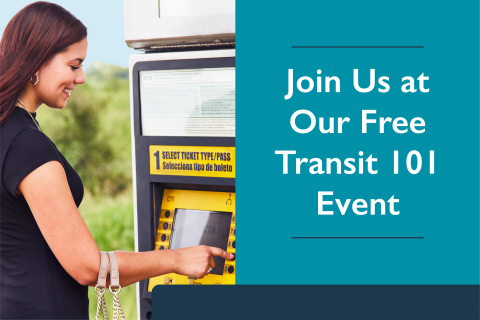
(48, 256)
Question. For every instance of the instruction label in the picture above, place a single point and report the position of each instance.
(192, 161)
(188, 102)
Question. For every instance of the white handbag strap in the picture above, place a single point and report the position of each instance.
(101, 286)
(115, 286)
(114, 275)
(102, 273)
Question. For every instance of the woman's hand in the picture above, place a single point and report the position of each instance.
(197, 261)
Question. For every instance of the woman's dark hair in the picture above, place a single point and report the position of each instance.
(32, 38)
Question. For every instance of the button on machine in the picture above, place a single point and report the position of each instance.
(229, 270)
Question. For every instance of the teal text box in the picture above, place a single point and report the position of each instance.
(442, 208)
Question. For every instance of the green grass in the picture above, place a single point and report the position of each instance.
(110, 220)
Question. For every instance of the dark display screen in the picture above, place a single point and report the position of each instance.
(199, 227)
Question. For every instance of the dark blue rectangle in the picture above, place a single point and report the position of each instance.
(316, 302)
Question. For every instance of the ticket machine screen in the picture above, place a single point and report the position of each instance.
(199, 227)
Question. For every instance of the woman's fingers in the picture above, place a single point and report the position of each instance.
(197, 261)
(212, 262)
(221, 253)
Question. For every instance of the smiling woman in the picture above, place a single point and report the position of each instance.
(41, 52)
(48, 255)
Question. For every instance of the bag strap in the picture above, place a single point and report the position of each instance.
(102, 273)
(101, 286)
(115, 286)
(114, 275)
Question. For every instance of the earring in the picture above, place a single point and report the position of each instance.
(36, 81)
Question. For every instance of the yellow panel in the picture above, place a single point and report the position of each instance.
(192, 161)
(194, 200)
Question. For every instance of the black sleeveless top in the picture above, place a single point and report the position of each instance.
(33, 284)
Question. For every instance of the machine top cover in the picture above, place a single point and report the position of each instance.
(178, 22)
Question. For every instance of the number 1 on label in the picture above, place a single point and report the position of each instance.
(157, 155)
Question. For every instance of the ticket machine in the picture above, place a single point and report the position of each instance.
(182, 97)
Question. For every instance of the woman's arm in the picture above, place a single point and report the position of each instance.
(48, 194)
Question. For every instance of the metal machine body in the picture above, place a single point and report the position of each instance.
(183, 158)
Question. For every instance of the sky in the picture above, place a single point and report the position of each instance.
(103, 19)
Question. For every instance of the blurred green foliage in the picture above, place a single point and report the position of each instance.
(93, 130)
(93, 133)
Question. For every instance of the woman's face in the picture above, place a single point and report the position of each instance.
(58, 78)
